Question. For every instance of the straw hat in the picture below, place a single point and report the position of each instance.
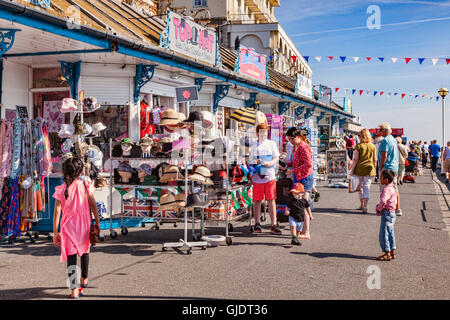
(171, 173)
(181, 200)
(179, 126)
(169, 117)
(168, 202)
(202, 175)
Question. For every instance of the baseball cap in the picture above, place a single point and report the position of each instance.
(298, 187)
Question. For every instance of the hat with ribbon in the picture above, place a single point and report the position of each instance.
(195, 200)
(125, 167)
(69, 105)
(90, 104)
(66, 131)
(208, 119)
(181, 200)
(168, 202)
(195, 116)
(169, 117)
(170, 173)
(177, 127)
(202, 175)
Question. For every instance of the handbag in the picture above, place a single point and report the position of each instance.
(354, 184)
(94, 236)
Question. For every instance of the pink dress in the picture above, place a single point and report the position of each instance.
(76, 218)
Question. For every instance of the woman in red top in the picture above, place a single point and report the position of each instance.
(302, 168)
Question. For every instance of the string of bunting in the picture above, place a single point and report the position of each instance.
(379, 93)
(368, 59)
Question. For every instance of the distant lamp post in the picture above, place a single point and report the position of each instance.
(443, 92)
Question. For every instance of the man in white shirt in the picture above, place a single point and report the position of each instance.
(424, 149)
(264, 156)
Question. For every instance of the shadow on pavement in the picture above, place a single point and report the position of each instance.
(41, 293)
(322, 255)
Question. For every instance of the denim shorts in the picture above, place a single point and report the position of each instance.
(308, 182)
(295, 223)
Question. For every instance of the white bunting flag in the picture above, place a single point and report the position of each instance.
(318, 58)
(434, 61)
(394, 60)
(356, 59)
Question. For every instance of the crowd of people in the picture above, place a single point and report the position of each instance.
(385, 159)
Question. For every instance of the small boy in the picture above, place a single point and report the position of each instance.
(296, 209)
(386, 209)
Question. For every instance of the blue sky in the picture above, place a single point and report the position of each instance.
(311, 26)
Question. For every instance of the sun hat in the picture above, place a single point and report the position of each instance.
(168, 202)
(88, 129)
(66, 131)
(97, 128)
(146, 167)
(181, 200)
(126, 141)
(66, 146)
(90, 104)
(177, 127)
(110, 112)
(171, 173)
(202, 175)
(180, 144)
(125, 167)
(145, 142)
(69, 105)
(195, 200)
(208, 119)
(298, 187)
(194, 116)
(169, 117)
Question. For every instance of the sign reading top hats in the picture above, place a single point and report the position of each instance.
(185, 94)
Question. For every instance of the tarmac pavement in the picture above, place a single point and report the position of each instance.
(332, 265)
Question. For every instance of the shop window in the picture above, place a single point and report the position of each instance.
(48, 78)
(200, 3)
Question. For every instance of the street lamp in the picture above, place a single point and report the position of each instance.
(443, 93)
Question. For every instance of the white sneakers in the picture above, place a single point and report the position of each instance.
(398, 212)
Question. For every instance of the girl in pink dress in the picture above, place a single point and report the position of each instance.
(74, 197)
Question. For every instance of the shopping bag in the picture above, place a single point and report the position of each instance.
(354, 184)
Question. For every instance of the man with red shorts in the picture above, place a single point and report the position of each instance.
(264, 156)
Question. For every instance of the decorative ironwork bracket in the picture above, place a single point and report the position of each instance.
(309, 112)
(144, 73)
(342, 122)
(283, 106)
(218, 55)
(334, 120)
(71, 72)
(298, 112)
(7, 37)
(199, 83)
(251, 102)
(221, 92)
(322, 115)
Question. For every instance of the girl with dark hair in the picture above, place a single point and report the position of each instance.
(302, 167)
(76, 200)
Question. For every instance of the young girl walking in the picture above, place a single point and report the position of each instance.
(75, 198)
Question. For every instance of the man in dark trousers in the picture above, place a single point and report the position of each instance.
(435, 151)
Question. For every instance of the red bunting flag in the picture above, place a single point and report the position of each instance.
(403, 95)
(294, 58)
(331, 57)
(381, 93)
(360, 92)
(368, 58)
(448, 61)
(336, 90)
(407, 60)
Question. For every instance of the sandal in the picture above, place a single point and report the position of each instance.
(304, 237)
(385, 257)
(77, 296)
(84, 285)
(393, 255)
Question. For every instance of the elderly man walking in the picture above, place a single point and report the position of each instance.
(388, 158)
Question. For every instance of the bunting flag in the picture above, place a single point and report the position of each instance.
(306, 58)
(375, 93)
(331, 58)
(356, 59)
(434, 61)
(448, 61)
(123, 191)
(394, 60)
(360, 92)
(294, 58)
(343, 58)
(403, 95)
(368, 58)
(318, 58)
(381, 59)
(421, 60)
(353, 91)
(336, 89)
(381, 93)
(407, 60)
(271, 58)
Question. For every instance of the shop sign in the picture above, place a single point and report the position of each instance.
(184, 36)
(337, 164)
(303, 86)
(251, 64)
(325, 95)
(185, 94)
(395, 131)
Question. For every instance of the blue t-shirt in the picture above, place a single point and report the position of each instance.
(434, 150)
(390, 145)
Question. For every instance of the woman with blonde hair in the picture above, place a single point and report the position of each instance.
(364, 166)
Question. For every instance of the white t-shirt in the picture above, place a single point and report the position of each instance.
(265, 151)
(424, 148)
